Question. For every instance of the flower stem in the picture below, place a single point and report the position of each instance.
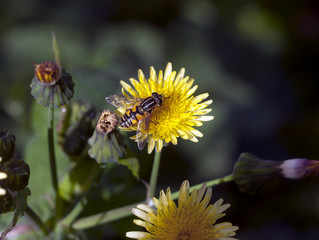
(45, 229)
(52, 151)
(121, 212)
(211, 183)
(53, 167)
(154, 174)
(105, 217)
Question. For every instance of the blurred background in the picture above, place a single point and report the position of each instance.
(258, 60)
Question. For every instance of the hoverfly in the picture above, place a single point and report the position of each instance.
(138, 112)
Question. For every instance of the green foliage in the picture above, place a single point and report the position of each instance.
(21, 205)
(132, 164)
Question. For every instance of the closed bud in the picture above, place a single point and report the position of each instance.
(7, 145)
(52, 86)
(251, 173)
(18, 173)
(6, 202)
(107, 144)
(76, 127)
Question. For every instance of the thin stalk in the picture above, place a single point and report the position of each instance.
(211, 183)
(37, 220)
(105, 217)
(53, 168)
(52, 151)
(118, 213)
(154, 175)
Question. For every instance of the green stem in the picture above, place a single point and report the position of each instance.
(67, 221)
(118, 213)
(52, 151)
(105, 217)
(211, 183)
(154, 175)
(53, 168)
(45, 229)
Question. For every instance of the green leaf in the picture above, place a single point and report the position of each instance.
(132, 164)
(79, 179)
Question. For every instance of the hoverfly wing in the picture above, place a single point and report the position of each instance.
(141, 144)
(141, 136)
(122, 101)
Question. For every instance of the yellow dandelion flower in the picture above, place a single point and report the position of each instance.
(193, 219)
(178, 113)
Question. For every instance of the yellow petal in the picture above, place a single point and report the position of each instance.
(183, 193)
(151, 145)
(128, 88)
(168, 71)
(159, 145)
(205, 118)
(197, 133)
(179, 76)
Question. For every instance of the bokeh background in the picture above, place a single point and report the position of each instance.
(258, 60)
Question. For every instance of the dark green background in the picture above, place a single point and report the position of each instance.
(258, 60)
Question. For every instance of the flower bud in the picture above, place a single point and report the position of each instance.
(52, 86)
(251, 173)
(107, 144)
(7, 145)
(6, 202)
(80, 129)
(18, 173)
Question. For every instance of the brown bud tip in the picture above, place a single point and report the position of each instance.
(107, 122)
(48, 72)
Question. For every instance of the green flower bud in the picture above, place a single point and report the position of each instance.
(251, 173)
(18, 173)
(76, 125)
(7, 145)
(52, 86)
(107, 144)
(6, 202)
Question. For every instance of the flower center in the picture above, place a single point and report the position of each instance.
(169, 117)
(183, 236)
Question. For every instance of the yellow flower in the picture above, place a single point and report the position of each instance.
(179, 113)
(192, 219)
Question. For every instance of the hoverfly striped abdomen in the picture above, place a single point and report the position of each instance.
(133, 115)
